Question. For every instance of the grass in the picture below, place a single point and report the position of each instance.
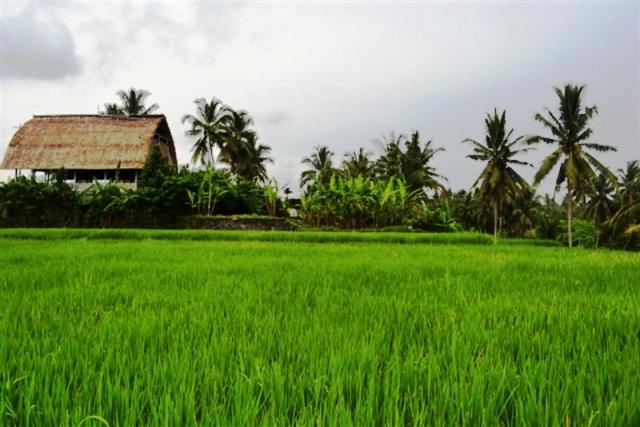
(182, 332)
(245, 235)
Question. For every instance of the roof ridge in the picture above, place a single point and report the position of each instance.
(142, 116)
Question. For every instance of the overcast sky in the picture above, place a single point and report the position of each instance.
(331, 74)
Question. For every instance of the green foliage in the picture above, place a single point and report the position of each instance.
(156, 169)
(585, 233)
(161, 199)
(437, 218)
(180, 332)
(358, 202)
(27, 203)
(410, 161)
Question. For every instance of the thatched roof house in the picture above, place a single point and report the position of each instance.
(89, 146)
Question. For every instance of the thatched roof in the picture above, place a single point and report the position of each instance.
(87, 142)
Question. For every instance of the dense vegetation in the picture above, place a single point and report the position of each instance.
(399, 188)
(265, 333)
(162, 198)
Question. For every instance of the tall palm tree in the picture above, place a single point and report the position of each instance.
(498, 182)
(132, 103)
(357, 163)
(570, 133)
(321, 166)
(207, 126)
(236, 136)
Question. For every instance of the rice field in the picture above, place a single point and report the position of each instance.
(142, 329)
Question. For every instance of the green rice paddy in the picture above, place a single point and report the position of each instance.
(138, 328)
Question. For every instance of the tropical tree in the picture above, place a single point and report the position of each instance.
(416, 168)
(628, 215)
(523, 210)
(113, 110)
(409, 160)
(498, 182)
(320, 166)
(132, 103)
(389, 165)
(630, 182)
(251, 164)
(358, 163)
(207, 126)
(570, 133)
(600, 204)
(236, 136)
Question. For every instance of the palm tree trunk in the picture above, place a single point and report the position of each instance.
(569, 213)
(495, 221)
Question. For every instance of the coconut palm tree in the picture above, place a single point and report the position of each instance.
(498, 182)
(132, 103)
(112, 110)
(629, 197)
(236, 136)
(416, 169)
(600, 204)
(630, 182)
(409, 160)
(207, 126)
(252, 164)
(357, 163)
(389, 165)
(524, 208)
(321, 166)
(570, 133)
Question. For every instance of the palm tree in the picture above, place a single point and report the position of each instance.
(113, 110)
(498, 181)
(630, 182)
(570, 133)
(389, 165)
(321, 166)
(408, 159)
(357, 163)
(236, 136)
(416, 169)
(524, 208)
(208, 127)
(132, 103)
(629, 195)
(252, 164)
(600, 204)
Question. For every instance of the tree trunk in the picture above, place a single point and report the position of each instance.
(569, 222)
(495, 221)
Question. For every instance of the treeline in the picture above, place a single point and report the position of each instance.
(399, 188)
(599, 206)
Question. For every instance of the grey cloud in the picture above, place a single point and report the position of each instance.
(38, 47)
(274, 118)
